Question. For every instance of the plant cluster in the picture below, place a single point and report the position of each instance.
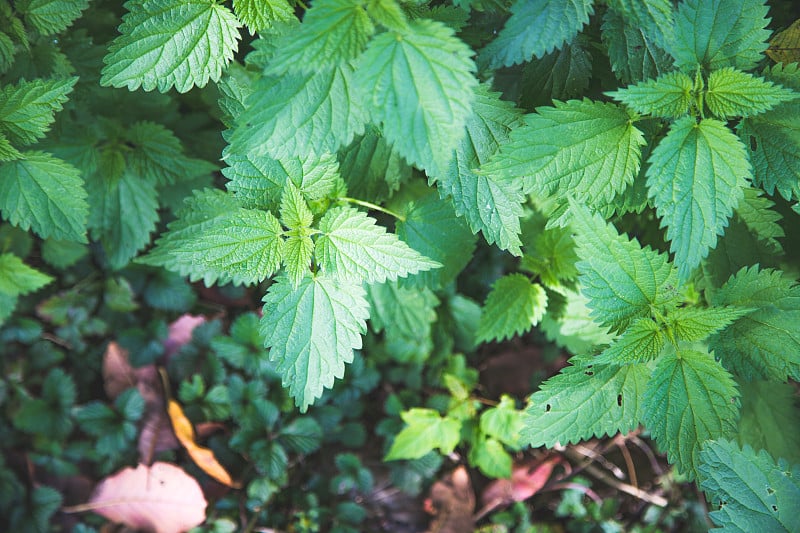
(620, 177)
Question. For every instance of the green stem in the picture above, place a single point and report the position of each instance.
(370, 205)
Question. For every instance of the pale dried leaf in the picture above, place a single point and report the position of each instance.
(180, 332)
(160, 498)
(452, 501)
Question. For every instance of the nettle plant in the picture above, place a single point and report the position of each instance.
(368, 143)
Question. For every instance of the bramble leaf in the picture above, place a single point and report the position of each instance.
(353, 247)
(258, 181)
(697, 323)
(214, 238)
(774, 138)
(654, 17)
(621, 279)
(749, 491)
(535, 29)
(371, 168)
(755, 211)
(770, 419)
(166, 43)
(513, 306)
(733, 93)
(765, 343)
(45, 194)
(419, 86)
(583, 402)
(298, 114)
(259, 15)
(668, 96)
(27, 109)
(157, 155)
(689, 399)
(716, 34)
(491, 205)
(124, 213)
(642, 341)
(696, 177)
(17, 278)
(634, 56)
(333, 32)
(426, 430)
(432, 228)
(51, 16)
(588, 148)
(311, 330)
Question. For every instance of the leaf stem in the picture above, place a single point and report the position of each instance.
(370, 205)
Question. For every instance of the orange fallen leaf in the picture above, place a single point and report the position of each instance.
(526, 480)
(161, 498)
(203, 457)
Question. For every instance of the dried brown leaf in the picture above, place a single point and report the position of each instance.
(203, 457)
(452, 503)
(160, 498)
(785, 46)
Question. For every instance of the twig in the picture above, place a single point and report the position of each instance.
(655, 499)
(592, 454)
(626, 455)
(576, 486)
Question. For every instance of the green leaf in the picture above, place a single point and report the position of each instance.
(588, 148)
(774, 138)
(371, 167)
(63, 254)
(214, 239)
(51, 16)
(695, 179)
(45, 194)
(503, 422)
(27, 109)
(642, 341)
(8, 152)
(755, 211)
(6, 52)
(353, 247)
(513, 306)
(535, 29)
(301, 435)
(390, 14)
(549, 253)
(749, 490)
(333, 33)
(426, 430)
(633, 55)
(770, 419)
(124, 213)
(697, 323)
(668, 96)
(259, 15)
(297, 255)
(157, 155)
(297, 114)
(7, 305)
(294, 211)
(258, 181)
(716, 34)
(18, 278)
(419, 85)
(166, 43)
(491, 205)
(432, 228)
(689, 400)
(491, 458)
(585, 401)
(311, 330)
(654, 17)
(559, 75)
(765, 343)
(621, 279)
(733, 93)
(401, 311)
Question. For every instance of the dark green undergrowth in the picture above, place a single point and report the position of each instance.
(362, 243)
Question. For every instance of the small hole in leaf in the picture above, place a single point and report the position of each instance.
(775, 508)
(753, 144)
(589, 373)
(547, 408)
(770, 490)
(619, 400)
